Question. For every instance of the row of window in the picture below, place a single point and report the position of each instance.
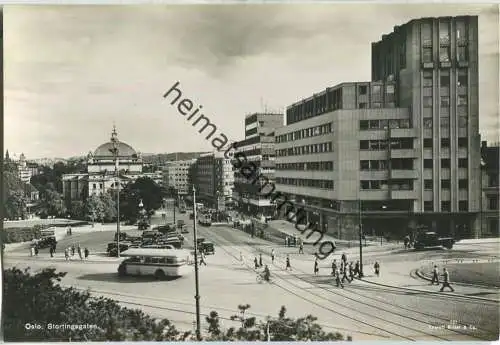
(305, 133)
(384, 124)
(463, 205)
(444, 122)
(395, 144)
(446, 163)
(445, 101)
(330, 101)
(444, 78)
(301, 182)
(318, 166)
(446, 184)
(384, 184)
(397, 164)
(445, 143)
(306, 149)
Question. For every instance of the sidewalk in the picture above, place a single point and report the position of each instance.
(289, 229)
(59, 257)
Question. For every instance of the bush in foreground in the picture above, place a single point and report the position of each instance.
(38, 299)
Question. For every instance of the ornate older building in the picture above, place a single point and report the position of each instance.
(100, 176)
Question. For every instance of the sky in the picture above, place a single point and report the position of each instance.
(70, 72)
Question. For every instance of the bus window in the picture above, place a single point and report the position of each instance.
(155, 260)
(162, 260)
(135, 259)
(170, 260)
(147, 260)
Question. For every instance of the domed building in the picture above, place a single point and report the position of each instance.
(101, 170)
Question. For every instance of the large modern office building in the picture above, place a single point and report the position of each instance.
(212, 175)
(175, 175)
(258, 148)
(396, 154)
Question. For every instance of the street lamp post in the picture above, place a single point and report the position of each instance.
(360, 240)
(197, 296)
(114, 151)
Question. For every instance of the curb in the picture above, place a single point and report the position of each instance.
(432, 292)
(425, 277)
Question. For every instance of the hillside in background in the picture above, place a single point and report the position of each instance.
(160, 158)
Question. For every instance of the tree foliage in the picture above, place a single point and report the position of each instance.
(29, 297)
(52, 204)
(15, 201)
(144, 189)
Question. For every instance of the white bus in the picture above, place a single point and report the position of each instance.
(158, 262)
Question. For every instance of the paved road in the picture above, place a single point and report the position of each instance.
(362, 310)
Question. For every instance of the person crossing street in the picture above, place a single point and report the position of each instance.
(316, 266)
(288, 266)
(435, 276)
(202, 258)
(334, 267)
(260, 260)
(338, 281)
(446, 281)
(272, 256)
(376, 267)
(86, 252)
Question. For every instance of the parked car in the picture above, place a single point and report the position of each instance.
(143, 224)
(112, 248)
(431, 239)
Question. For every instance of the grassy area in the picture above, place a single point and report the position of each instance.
(44, 222)
(480, 273)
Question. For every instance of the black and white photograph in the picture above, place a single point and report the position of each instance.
(250, 171)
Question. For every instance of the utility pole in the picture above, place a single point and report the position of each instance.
(114, 150)
(197, 296)
(360, 240)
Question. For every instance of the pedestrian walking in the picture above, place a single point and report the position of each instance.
(435, 275)
(79, 250)
(202, 258)
(66, 254)
(260, 260)
(32, 250)
(407, 242)
(73, 250)
(288, 266)
(86, 252)
(36, 250)
(51, 251)
(338, 281)
(286, 241)
(316, 266)
(301, 248)
(345, 276)
(376, 267)
(70, 232)
(256, 262)
(241, 256)
(357, 269)
(344, 259)
(272, 256)
(334, 267)
(351, 271)
(446, 280)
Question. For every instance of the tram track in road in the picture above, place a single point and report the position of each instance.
(383, 306)
(316, 299)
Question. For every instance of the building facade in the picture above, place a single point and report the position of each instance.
(258, 148)
(398, 153)
(101, 176)
(213, 178)
(175, 175)
(490, 210)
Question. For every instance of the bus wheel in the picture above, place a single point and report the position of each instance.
(159, 274)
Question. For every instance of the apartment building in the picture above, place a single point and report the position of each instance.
(257, 148)
(398, 153)
(175, 175)
(212, 176)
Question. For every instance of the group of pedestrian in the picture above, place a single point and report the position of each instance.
(446, 278)
(76, 249)
(258, 263)
(291, 241)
